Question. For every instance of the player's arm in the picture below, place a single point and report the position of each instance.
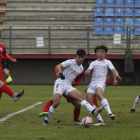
(117, 75)
(58, 71)
(114, 77)
(6, 56)
(78, 79)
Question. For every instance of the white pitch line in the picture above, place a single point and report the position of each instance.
(20, 111)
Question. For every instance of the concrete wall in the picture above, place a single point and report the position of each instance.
(41, 71)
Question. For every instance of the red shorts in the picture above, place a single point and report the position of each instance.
(69, 99)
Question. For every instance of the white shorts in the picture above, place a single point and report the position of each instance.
(94, 85)
(62, 87)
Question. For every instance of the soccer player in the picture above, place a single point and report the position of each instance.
(6, 71)
(3, 87)
(76, 103)
(137, 101)
(97, 86)
(67, 72)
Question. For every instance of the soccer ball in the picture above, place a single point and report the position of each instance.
(87, 121)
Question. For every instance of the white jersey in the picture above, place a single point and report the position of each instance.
(71, 70)
(100, 70)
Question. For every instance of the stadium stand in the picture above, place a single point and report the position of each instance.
(119, 3)
(129, 12)
(108, 31)
(109, 3)
(118, 30)
(99, 3)
(137, 3)
(119, 21)
(119, 12)
(68, 12)
(98, 21)
(137, 12)
(109, 21)
(129, 3)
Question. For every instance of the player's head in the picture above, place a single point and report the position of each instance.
(96, 49)
(102, 51)
(80, 55)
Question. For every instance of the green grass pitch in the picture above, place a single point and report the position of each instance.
(28, 126)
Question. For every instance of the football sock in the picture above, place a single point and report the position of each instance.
(95, 102)
(51, 111)
(137, 101)
(98, 116)
(87, 106)
(7, 90)
(105, 103)
(76, 113)
(47, 106)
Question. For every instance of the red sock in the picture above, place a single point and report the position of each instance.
(7, 90)
(95, 102)
(47, 106)
(76, 114)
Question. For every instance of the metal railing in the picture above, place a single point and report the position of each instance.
(52, 35)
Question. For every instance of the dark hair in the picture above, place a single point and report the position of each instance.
(103, 47)
(96, 48)
(81, 52)
(0, 35)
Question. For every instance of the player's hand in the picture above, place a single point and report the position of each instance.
(118, 77)
(87, 72)
(62, 76)
(14, 60)
(115, 82)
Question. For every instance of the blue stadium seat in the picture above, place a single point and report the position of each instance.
(137, 31)
(118, 30)
(109, 12)
(129, 12)
(119, 21)
(119, 3)
(109, 21)
(108, 31)
(98, 21)
(129, 21)
(129, 3)
(98, 12)
(119, 12)
(109, 3)
(99, 3)
(137, 21)
(137, 12)
(128, 33)
(98, 31)
(137, 3)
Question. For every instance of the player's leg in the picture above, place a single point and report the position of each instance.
(137, 101)
(56, 100)
(7, 73)
(104, 102)
(8, 91)
(95, 102)
(76, 111)
(76, 94)
(46, 108)
(90, 97)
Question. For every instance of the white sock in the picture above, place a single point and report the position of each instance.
(98, 116)
(51, 111)
(137, 101)
(87, 106)
(105, 103)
